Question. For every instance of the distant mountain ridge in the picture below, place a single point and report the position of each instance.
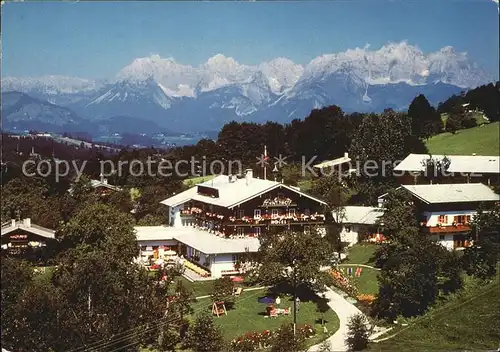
(23, 112)
(185, 98)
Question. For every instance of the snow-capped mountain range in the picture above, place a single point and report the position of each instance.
(187, 98)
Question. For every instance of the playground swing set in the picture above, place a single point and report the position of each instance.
(219, 308)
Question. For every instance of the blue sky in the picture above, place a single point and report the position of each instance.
(96, 39)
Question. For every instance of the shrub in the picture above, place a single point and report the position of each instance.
(204, 336)
(358, 333)
(366, 299)
(286, 341)
(252, 341)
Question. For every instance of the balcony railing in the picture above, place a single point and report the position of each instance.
(277, 219)
(217, 232)
(447, 228)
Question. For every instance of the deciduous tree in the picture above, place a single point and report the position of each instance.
(222, 290)
(101, 227)
(293, 258)
(399, 214)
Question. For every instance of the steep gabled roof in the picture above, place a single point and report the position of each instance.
(332, 163)
(232, 193)
(453, 193)
(360, 215)
(28, 227)
(97, 183)
(458, 163)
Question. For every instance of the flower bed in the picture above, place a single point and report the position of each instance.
(197, 269)
(366, 299)
(259, 340)
(343, 283)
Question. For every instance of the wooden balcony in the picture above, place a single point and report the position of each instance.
(276, 223)
(446, 229)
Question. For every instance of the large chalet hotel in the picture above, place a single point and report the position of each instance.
(213, 222)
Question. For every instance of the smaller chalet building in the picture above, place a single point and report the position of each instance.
(462, 169)
(340, 165)
(102, 187)
(24, 239)
(214, 222)
(358, 223)
(446, 210)
(212, 254)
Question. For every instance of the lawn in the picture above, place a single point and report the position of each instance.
(482, 140)
(367, 282)
(249, 315)
(464, 323)
(190, 182)
(361, 253)
(199, 288)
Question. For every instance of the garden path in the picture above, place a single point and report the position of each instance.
(344, 311)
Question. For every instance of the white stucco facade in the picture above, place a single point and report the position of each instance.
(223, 263)
(447, 218)
(446, 240)
(350, 234)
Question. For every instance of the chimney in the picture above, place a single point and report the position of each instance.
(27, 222)
(105, 181)
(102, 178)
(248, 175)
(13, 222)
(346, 155)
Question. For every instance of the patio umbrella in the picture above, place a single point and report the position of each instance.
(237, 279)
